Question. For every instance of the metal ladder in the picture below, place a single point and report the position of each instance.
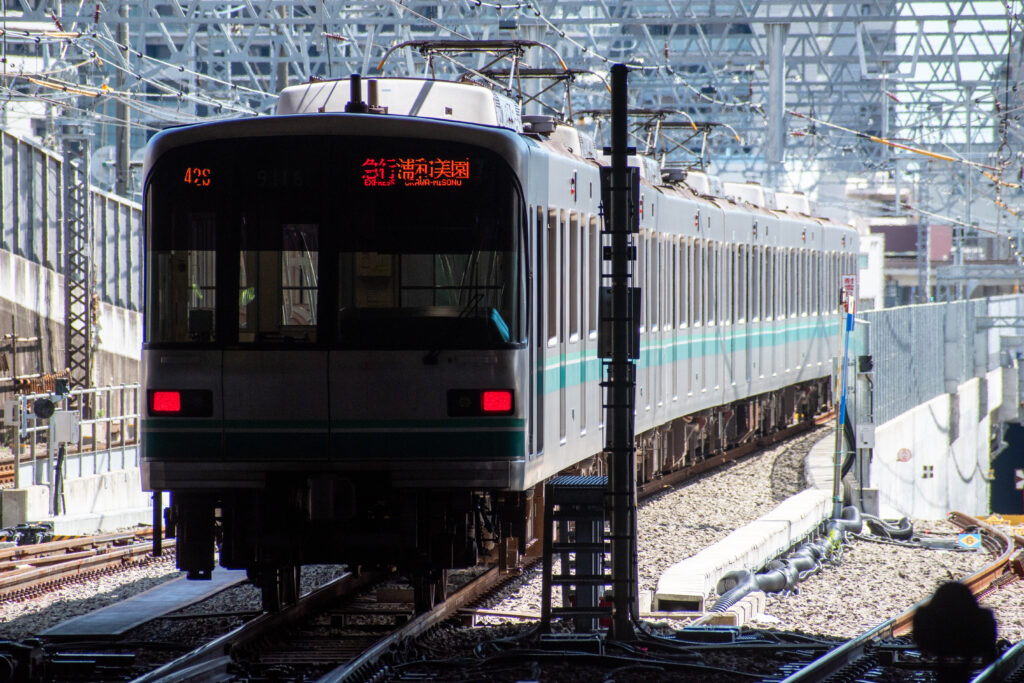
(575, 511)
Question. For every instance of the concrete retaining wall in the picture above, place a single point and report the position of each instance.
(33, 298)
(935, 458)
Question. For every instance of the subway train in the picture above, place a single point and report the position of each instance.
(372, 327)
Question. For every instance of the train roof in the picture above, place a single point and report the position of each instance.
(424, 97)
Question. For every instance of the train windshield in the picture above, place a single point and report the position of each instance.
(354, 242)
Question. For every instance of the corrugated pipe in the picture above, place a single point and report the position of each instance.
(903, 530)
(784, 575)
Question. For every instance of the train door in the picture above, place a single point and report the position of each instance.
(278, 317)
(538, 343)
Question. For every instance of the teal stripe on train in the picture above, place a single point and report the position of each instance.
(685, 346)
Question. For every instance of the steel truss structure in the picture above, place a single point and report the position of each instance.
(803, 90)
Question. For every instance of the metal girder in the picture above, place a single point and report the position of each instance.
(78, 259)
(990, 322)
(906, 68)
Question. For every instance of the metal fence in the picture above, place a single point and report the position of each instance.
(926, 350)
(106, 438)
(31, 196)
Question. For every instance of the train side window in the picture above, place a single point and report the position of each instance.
(672, 300)
(654, 281)
(808, 279)
(574, 259)
(817, 283)
(744, 283)
(698, 283)
(594, 262)
(713, 290)
(552, 255)
(754, 285)
(685, 283)
(641, 275)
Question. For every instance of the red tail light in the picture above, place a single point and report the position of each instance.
(168, 402)
(496, 401)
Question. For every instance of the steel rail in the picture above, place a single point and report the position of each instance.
(366, 663)
(16, 581)
(1000, 670)
(994, 540)
(205, 661)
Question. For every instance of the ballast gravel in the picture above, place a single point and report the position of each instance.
(869, 584)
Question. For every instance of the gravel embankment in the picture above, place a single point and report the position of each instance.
(871, 583)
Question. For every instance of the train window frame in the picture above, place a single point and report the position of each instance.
(698, 282)
(593, 274)
(641, 277)
(573, 277)
(552, 281)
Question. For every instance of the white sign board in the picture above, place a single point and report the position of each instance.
(850, 285)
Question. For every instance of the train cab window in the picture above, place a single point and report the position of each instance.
(182, 280)
(428, 240)
(278, 276)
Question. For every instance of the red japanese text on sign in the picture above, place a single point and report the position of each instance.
(416, 172)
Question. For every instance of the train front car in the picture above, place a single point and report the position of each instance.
(336, 322)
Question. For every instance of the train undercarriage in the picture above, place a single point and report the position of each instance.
(422, 533)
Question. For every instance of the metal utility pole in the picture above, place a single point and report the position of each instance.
(776, 100)
(122, 113)
(78, 312)
(620, 380)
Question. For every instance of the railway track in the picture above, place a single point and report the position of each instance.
(886, 648)
(336, 633)
(29, 570)
(331, 635)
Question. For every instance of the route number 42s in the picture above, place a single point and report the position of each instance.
(199, 177)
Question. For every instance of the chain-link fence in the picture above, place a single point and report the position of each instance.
(926, 350)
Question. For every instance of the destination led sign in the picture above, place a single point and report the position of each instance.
(199, 177)
(418, 172)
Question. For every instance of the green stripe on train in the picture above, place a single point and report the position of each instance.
(448, 423)
(586, 366)
(265, 446)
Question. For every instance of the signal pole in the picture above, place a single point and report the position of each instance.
(621, 206)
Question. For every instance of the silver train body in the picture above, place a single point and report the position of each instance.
(324, 386)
